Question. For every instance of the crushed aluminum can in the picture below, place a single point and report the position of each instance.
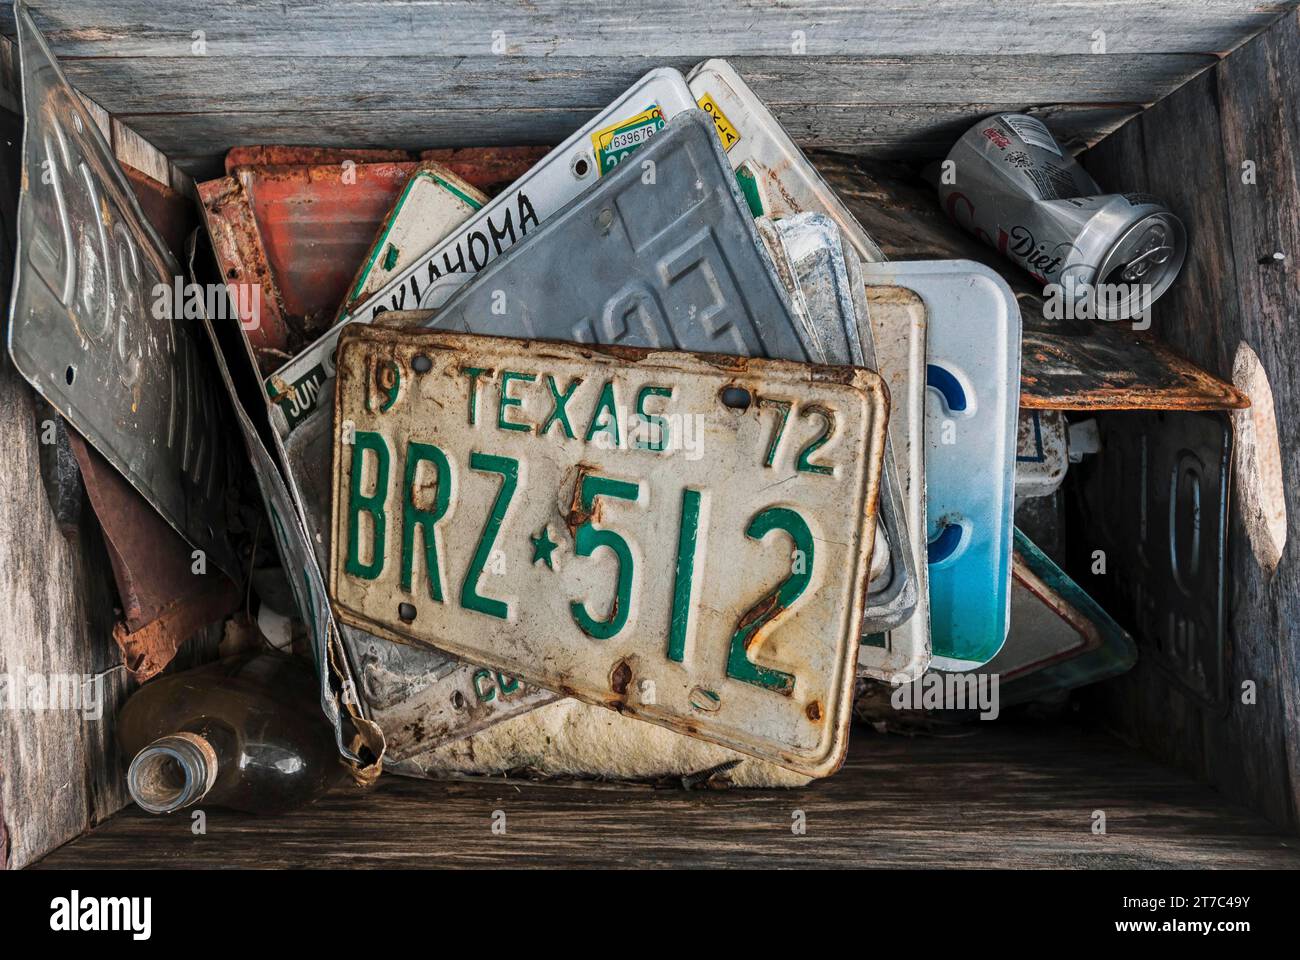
(1105, 256)
(817, 268)
(432, 278)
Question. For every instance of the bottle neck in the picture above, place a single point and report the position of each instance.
(172, 772)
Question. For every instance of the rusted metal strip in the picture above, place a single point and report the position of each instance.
(490, 169)
(244, 266)
(1067, 364)
(164, 601)
(288, 155)
(171, 214)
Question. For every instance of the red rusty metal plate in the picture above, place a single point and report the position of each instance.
(281, 156)
(238, 247)
(491, 169)
(163, 601)
(316, 224)
(171, 214)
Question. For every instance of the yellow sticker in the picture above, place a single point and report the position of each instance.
(729, 135)
(615, 142)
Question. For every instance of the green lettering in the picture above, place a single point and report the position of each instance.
(474, 373)
(413, 516)
(588, 539)
(605, 404)
(508, 377)
(687, 534)
(372, 504)
(659, 424)
(470, 598)
(774, 603)
(558, 414)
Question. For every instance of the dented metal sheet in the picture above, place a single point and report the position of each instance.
(92, 324)
(1155, 502)
(674, 263)
(1042, 453)
(1060, 638)
(433, 203)
(774, 173)
(807, 247)
(493, 497)
(972, 369)
(289, 238)
(431, 279)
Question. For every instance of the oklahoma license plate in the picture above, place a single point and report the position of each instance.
(683, 538)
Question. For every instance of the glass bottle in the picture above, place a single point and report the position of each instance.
(245, 732)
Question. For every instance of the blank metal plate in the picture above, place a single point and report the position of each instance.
(88, 329)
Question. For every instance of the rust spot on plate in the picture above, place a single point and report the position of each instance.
(620, 677)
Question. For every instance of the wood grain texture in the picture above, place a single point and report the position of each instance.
(579, 28)
(56, 618)
(130, 85)
(198, 141)
(1189, 150)
(1006, 796)
(897, 79)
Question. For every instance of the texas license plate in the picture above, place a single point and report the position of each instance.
(682, 538)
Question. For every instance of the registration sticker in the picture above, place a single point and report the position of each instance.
(727, 131)
(617, 141)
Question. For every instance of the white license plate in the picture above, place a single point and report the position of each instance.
(683, 538)
(773, 171)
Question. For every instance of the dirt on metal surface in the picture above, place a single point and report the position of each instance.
(775, 691)
(490, 169)
(239, 252)
(289, 155)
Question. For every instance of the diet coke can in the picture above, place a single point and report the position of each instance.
(1106, 255)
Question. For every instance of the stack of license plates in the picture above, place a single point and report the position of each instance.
(659, 429)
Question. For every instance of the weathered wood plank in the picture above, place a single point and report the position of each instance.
(1008, 796)
(1259, 95)
(197, 141)
(126, 85)
(578, 28)
(56, 618)
(134, 150)
(1189, 149)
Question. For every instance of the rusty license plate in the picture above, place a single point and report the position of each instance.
(683, 538)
